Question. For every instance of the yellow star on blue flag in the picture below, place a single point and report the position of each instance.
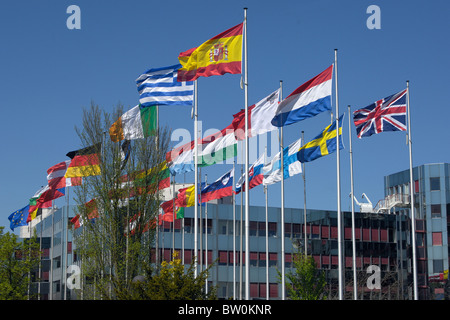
(321, 145)
(19, 218)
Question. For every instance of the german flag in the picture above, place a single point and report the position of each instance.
(85, 162)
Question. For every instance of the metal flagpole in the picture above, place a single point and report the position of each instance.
(355, 285)
(66, 227)
(247, 213)
(283, 260)
(304, 200)
(174, 217)
(157, 227)
(206, 237)
(411, 191)
(340, 271)
(195, 180)
(234, 231)
(267, 231)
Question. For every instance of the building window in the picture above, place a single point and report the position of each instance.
(435, 210)
(435, 184)
(437, 238)
(416, 186)
(438, 266)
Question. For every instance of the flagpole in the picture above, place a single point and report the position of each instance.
(247, 213)
(283, 291)
(67, 243)
(340, 271)
(355, 286)
(206, 237)
(411, 190)
(195, 179)
(234, 231)
(304, 201)
(157, 227)
(173, 217)
(267, 231)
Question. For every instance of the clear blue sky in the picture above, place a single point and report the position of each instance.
(48, 73)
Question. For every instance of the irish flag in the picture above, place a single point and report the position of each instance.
(138, 122)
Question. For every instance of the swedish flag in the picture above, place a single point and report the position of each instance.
(321, 145)
(19, 218)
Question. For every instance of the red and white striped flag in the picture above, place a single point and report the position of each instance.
(56, 179)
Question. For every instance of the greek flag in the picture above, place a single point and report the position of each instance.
(159, 86)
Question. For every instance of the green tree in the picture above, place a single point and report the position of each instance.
(17, 261)
(117, 246)
(306, 281)
(172, 282)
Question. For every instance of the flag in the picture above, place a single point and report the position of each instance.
(222, 187)
(217, 56)
(56, 179)
(388, 114)
(36, 204)
(125, 150)
(255, 175)
(18, 218)
(144, 181)
(323, 144)
(137, 123)
(186, 197)
(85, 162)
(160, 86)
(167, 207)
(91, 213)
(308, 100)
(213, 149)
(260, 116)
(291, 166)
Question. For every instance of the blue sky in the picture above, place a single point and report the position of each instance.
(49, 73)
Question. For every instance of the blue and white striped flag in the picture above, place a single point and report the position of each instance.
(159, 86)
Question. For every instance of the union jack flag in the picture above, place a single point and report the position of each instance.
(388, 114)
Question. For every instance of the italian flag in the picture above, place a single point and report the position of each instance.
(138, 122)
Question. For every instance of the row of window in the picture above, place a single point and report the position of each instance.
(292, 230)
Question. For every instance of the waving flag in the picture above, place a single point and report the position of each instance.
(160, 86)
(291, 165)
(56, 179)
(260, 116)
(308, 100)
(137, 123)
(255, 175)
(85, 162)
(18, 218)
(212, 149)
(323, 144)
(222, 187)
(217, 56)
(388, 114)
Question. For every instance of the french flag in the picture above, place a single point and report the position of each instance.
(222, 187)
(255, 175)
(308, 100)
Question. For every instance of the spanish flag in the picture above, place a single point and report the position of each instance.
(186, 197)
(217, 56)
(85, 162)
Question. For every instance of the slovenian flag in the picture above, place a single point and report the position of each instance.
(308, 100)
(222, 187)
(255, 175)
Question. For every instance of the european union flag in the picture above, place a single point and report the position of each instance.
(321, 145)
(19, 218)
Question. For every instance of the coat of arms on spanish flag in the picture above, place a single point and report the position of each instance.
(217, 56)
